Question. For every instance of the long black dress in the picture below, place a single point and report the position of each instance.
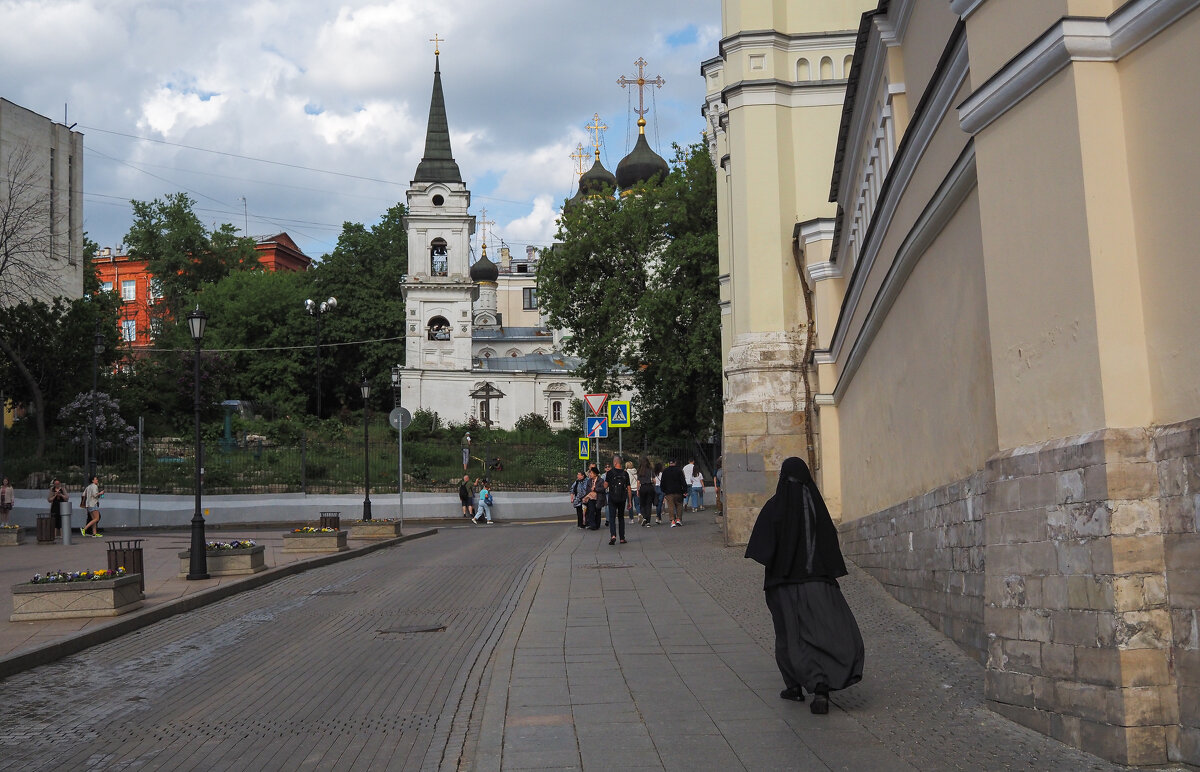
(817, 642)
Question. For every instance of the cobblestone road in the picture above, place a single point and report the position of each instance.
(358, 665)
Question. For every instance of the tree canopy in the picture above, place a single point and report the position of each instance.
(635, 281)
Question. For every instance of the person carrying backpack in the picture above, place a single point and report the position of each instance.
(485, 503)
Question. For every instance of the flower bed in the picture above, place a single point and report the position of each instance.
(309, 539)
(67, 595)
(11, 535)
(228, 558)
(375, 529)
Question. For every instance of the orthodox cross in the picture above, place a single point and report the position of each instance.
(484, 222)
(595, 127)
(579, 157)
(435, 40)
(641, 82)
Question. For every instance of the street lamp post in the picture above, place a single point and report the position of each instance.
(198, 566)
(366, 395)
(318, 310)
(396, 400)
(97, 350)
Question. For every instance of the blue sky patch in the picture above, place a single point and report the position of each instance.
(311, 109)
(687, 36)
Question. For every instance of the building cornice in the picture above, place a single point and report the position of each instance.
(769, 38)
(816, 229)
(965, 8)
(784, 92)
(1069, 40)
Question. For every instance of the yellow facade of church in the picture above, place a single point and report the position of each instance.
(991, 203)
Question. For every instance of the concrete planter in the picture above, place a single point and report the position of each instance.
(106, 598)
(374, 529)
(334, 541)
(227, 562)
(10, 537)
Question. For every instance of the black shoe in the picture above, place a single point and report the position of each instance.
(612, 541)
(793, 693)
(820, 703)
(623, 541)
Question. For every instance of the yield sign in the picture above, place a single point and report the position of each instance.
(595, 402)
(597, 426)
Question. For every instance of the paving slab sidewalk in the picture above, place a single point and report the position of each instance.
(658, 654)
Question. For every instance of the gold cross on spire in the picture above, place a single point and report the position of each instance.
(436, 40)
(595, 127)
(641, 82)
(484, 222)
(579, 157)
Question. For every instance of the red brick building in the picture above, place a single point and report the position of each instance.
(131, 279)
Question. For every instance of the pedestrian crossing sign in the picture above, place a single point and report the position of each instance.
(618, 414)
(585, 448)
(596, 427)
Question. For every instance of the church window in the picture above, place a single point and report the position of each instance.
(803, 71)
(438, 256)
(529, 298)
(846, 63)
(439, 328)
(556, 412)
(438, 200)
(826, 68)
(485, 412)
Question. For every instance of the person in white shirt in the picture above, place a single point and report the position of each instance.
(688, 470)
(697, 490)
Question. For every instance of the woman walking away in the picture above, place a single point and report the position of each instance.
(7, 499)
(817, 643)
(485, 503)
(658, 494)
(645, 489)
(91, 503)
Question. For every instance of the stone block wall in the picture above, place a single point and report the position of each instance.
(928, 552)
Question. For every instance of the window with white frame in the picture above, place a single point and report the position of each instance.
(529, 298)
(129, 330)
(156, 290)
(106, 286)
(128, 289)
(556, 412)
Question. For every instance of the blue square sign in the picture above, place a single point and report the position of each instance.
(596, 426)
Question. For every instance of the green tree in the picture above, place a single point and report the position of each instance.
(635, 281)
(363, 272)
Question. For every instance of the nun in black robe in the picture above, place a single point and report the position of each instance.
(817, 643)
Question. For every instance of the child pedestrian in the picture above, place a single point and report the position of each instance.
(485, 503)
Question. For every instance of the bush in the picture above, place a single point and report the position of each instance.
(533, 423)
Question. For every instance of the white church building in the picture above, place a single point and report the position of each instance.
(475, 342)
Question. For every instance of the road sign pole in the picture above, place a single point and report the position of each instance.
(621, 443)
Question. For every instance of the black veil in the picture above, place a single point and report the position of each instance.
(794, 536)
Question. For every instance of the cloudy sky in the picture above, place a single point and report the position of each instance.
(317, 110)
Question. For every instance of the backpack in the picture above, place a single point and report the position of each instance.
(488, 499)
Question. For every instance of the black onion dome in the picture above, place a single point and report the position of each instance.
(640, 166)
(484, 270)
(597, 181)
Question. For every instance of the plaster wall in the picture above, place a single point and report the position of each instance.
(928, 29)
(790, 16)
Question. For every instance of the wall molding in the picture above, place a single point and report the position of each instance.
(1069, 40)
(965, 8)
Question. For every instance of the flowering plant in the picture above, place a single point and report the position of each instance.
(240, 544)
(310, 529)
(62, 577)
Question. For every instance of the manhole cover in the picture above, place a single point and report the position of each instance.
(610, 565)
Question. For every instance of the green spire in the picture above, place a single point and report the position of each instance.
(437, 165)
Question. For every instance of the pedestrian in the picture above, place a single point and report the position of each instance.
(475, 486)
(464, 496)
(604, 476)
(635, 505)
(578, 489)
(688, 470)
(818, 646)
(7, 499)
(674, 487)
(718, 476)
(646, 490)
(658, 494)
(57, 495)
(485, 503)
(697, 489)
(616, 484)
(91, 504)
(594, 500)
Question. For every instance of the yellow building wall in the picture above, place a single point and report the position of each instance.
(918, 413)
(1165, 181)
(789, 15)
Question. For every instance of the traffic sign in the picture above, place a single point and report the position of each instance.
(596, 426)
(585, 446)
(400, 418)
(595, 402)
(619, 414)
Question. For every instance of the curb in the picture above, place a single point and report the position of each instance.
(137, 620)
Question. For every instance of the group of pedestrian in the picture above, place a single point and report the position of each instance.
(642, 493)
(476, 499)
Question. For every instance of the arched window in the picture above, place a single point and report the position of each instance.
(826, 68)
(803, 70)
(846, 63)
(512, 352)
(485, 412)
(556, 412)
(488, 353)
(438, 255)
(438, 328)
